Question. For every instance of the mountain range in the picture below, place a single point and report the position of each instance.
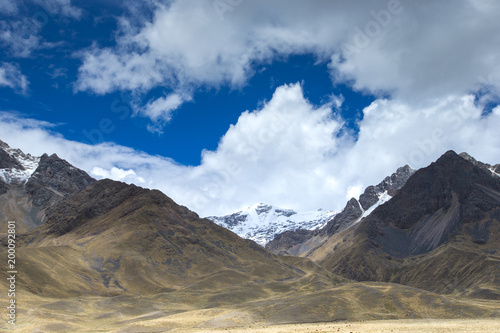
(109, 256)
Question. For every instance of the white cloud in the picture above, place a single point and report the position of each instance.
(128, 176)
(12, 77)
(412, 50)
(288, 152)
(187, 46)
(21, 36)
(428, 50)
(160, 110)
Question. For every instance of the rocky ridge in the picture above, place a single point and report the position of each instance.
(299, 242)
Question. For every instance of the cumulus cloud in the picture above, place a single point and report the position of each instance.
(424, 51)
(288, 152)
(409, 50)
(12, 77)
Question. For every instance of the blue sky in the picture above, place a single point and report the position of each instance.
(221, 104)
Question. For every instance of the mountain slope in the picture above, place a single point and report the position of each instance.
(261, 222)
(121, 238)
(439, 232)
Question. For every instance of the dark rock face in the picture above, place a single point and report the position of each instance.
(94, 201)
(435, 204)
(55, 179)
(351, 212)
(390, 184)
(3, 187)
(436, 187)
(354, 208)
(8, 162)
(495, 168)
(288, 240)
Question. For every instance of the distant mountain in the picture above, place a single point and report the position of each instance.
(261, 222)
(300, 241)
(440, 232)
(29, 185)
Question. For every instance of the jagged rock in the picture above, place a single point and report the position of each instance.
(55, 179)
(29, 185)
(390, 185)
(351, 212)
(7, 161)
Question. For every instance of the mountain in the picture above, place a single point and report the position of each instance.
(122, 238)
(114, 257)
(439, 233)
(261, 222)
(29, 185)
(299, 242)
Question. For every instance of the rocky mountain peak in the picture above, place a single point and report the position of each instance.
(370, 198)
(15, 166)
(55, 178)
(495, 169)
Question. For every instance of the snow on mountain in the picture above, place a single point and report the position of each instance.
(261, 222)
(382, 198)
(17, 167)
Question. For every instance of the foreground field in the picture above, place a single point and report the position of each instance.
(350, 307)
(414, 326)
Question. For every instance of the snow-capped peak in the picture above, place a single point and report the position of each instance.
(262, 222)
(21, 171)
